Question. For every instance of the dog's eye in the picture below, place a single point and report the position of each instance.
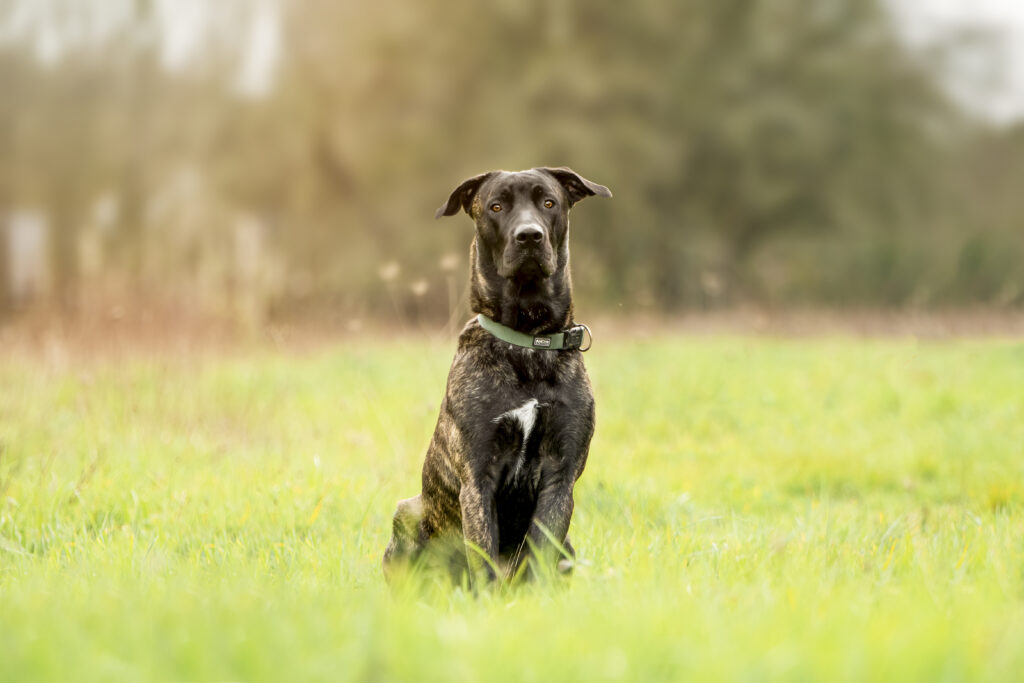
(548, 204)
(495, 208)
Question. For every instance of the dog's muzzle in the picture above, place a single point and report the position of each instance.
(528, 252)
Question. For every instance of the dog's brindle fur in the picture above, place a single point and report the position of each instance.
(515, 423)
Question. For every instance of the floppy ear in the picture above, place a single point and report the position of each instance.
(576, 186)
(462, 196)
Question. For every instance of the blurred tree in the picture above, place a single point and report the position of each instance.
(735, 119)
(721, 126)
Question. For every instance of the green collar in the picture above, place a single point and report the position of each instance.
(571, 338)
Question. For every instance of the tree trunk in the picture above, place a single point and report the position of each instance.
(64, 259)
(6, 299)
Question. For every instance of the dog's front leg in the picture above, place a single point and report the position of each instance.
(550, 525)
(480, 529)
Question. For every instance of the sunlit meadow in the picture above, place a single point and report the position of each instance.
(753, 509)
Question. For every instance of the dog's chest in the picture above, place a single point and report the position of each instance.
(532, 366)
(516, 438)
(516, 466)
(522, 402)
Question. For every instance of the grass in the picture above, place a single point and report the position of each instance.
(752, 510)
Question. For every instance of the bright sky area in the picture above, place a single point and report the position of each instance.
(997, 92)
(993, 86)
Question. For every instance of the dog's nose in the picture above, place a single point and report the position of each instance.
(528, 234)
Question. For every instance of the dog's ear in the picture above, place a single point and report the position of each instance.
(462, 196)
(576, 186)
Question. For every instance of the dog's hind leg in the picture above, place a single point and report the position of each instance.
(406, 535)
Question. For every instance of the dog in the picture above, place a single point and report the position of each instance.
(517, 417)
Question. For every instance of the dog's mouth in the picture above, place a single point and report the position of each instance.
(528, 264)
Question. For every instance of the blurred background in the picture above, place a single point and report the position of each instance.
(275, 160)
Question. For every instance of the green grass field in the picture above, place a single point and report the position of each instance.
(752, 509)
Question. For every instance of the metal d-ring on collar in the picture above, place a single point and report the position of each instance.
(568, 340)
(591, 338)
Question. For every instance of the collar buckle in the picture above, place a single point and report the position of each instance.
(574, 337)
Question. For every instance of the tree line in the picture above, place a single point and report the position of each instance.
(784, 152)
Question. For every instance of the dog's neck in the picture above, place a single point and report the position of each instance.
(532, 306)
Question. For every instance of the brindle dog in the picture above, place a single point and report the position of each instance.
(515, 424)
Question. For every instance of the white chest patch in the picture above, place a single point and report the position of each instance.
(525, 415)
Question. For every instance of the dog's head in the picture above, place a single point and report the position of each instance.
(522, 219)
(520, 256)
